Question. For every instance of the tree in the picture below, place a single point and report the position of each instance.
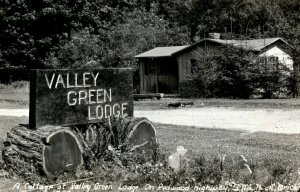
(233, 73)
(227, 74)
(134, 33)
(29, 30)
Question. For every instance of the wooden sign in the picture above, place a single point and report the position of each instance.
(79, 96)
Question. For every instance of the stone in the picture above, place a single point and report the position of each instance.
(244, 168)
(177, 161)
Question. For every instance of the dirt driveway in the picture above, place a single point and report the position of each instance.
(252, 120)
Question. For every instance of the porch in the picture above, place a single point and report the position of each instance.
(158, 75)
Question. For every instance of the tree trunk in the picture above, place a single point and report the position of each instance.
(142, 132)
(126, 133)
(52, 150)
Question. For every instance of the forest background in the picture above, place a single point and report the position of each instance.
(105, 33)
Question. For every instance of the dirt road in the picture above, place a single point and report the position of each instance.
(268, 120)
(252, 120)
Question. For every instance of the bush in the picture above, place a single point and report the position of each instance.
(190, 89)
(233, 74)
(272, 84)
(15, 87)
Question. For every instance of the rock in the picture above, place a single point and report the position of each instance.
(241, 161)
(244, 167)
(180, 104)
(176, 104)
(4, 173)
(178, 161)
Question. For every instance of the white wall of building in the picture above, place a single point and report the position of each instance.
(283, 57)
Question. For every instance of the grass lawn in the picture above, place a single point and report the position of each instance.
(15, 95)
(239, 103)
(265, 152)
(218, 141)
(272, 157)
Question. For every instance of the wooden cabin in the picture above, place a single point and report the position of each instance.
(162, 69)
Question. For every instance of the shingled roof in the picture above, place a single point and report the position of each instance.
(253, 44)
(162, 51)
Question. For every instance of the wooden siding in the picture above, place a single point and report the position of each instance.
(184, 60)
(142, 78)
(153, 80)
(160, 84)
(156, 75)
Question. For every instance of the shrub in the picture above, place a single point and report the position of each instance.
(190, 88)
(233, 74)
(272, 84)
(15, 87)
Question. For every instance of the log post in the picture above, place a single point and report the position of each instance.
(141, 133)
(105, 119)
(54, 150)
(51, 150)
(128, 132)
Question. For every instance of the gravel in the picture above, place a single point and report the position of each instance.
(252, 120)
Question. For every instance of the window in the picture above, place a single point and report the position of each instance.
(273, 62)
(150, 68)
(168, 68)
(146, 68)
(193, 66)
(268, 62)
(262, 62)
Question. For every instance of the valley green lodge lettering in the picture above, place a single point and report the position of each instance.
(99, 101)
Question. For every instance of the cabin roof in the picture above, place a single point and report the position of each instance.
(161, 52)
(253, 44)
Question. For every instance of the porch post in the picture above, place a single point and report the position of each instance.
(156, 72)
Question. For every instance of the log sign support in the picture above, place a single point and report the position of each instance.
(62, 99)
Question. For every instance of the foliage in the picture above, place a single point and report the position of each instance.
(224, 75)
(295, 77)
(30, 31)
(272, 157)
(132, 33)
(135, 32)
(101, 33)
(234, 74)
(273, 84)
(137, 169)
(17, 86)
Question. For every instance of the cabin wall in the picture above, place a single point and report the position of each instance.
(148, 82)
(282, 56)
(142, 76)
(185, 65)
(158, 75)
(184, 59)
